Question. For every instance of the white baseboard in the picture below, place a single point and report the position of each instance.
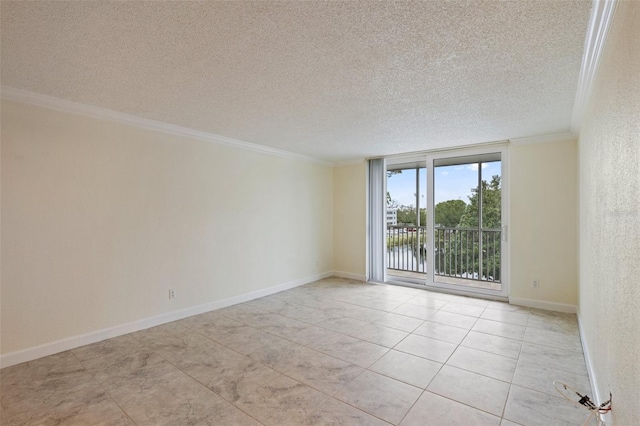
(349, 275)
(596, 397)
(51, 348)
(541, 304)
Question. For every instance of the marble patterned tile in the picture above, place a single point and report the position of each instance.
(342, 309)
(539, 377)
(380, 396)
(95, 409)
(435, 350)
(161, 395)
(506, 306)
(435, 410)
(225, 372)
(31, 395)
(324, 373)
(380, 335)
(344, 325)
(506, 422)
(211, 323)
(455, 320)
(493, 344)
(302, 313)
(45, 368)
(501, 329)
(518, 318)
(337, 413)
(553, 338)
(101, 368)
(286, 328)
(426, 301)
(414, 311)
(105, 348)
(485, 363)
(281, 355)
(438, 295)
(524, 407)
(381, 303)
(559, 359)
(471, 301)
(407, 368)
(459, 308)
(315, 336)
(151, 335)
(400, 322)
(444, 332)
(272, 303)
(188, 371)
(481, 392)
(240, 310)
(245, 340)
(283, 401)
(554, 321)
(393, 296)
(350, 349)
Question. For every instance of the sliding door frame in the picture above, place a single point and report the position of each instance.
(431, 280)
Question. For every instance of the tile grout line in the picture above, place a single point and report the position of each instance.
(102, 387)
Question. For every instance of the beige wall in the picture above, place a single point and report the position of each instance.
(609, 147)
(543, 212)
(349, 220)
(100, 219)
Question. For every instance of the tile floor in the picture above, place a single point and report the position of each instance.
(332, 352)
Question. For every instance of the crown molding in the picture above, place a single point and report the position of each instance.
(554, 137)
(64, 105)
(342, 163)
(602, 14)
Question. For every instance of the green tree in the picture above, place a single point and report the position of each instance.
(448, 213)
(491, 206)
(406, 215)
(458, 251)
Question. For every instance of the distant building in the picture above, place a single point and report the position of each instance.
(392, 217)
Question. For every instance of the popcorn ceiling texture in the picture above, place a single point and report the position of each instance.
(334, 80)
(609, 164)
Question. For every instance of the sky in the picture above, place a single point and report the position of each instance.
(451, 183)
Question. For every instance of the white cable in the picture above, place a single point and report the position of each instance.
(593, 409)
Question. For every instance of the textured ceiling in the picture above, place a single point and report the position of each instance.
(333, 80)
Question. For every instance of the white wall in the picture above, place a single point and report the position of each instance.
(544, 230)
(100, 219)
(609, 165)
(349, 220)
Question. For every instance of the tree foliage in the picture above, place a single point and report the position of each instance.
(407, 215)
(491, 206)
(458, 251)
(448, 213)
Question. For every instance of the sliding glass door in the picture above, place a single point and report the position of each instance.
(446, 221)
(467, 227)
(406, 231)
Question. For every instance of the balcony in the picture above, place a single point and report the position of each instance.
(467, 257)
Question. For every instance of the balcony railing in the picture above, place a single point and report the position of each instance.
(460, 253)
(406, 248)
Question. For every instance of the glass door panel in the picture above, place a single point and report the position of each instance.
(406, 223)
(467, 225)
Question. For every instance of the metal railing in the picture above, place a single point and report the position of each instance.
(468, 253)
(462, 253)
(406, 248)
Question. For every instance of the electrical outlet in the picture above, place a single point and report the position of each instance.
(536, 283)
(172, 293)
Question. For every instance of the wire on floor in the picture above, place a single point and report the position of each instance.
(570, 394)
